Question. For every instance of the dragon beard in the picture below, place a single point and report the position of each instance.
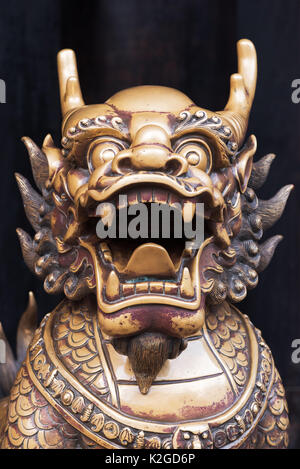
(147, 354)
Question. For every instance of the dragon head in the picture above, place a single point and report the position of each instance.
(150, 145)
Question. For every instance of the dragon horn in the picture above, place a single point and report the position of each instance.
(242, 90)
(70, 92)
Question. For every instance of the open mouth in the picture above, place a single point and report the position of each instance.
(151, 269)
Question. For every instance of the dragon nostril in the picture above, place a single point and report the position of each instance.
(175, 166)
(149, 158)
(124, 165)
(121, 164)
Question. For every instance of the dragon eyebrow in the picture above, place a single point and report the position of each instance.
(200, 122)
(113, 131)
(103, 121)
(89, 126)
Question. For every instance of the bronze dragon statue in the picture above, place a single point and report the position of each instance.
(147, 349)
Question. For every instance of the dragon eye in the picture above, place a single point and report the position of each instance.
(103, 150)
(196, 152)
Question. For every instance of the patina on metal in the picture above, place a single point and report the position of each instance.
(147, 350)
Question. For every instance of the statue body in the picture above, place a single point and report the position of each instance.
(148, 349)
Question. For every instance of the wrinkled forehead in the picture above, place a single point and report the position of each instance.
(135, 107)
(148, 105)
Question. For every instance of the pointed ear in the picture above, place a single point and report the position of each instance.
(54, 157)
(243, 165)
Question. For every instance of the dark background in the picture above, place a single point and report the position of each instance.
(186, 44)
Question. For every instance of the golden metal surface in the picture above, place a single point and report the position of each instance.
(147, 349)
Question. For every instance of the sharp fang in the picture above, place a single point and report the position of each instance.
(107, 256)
(106, 252)
(186, 287)
(107, 213)
(188, 211)
(113, 286)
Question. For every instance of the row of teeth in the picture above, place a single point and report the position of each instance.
(115, 290)
(149, 196)
(106, 252)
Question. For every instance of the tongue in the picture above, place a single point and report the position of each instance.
(150, 259)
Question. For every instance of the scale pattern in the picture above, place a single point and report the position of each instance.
(32, 423)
